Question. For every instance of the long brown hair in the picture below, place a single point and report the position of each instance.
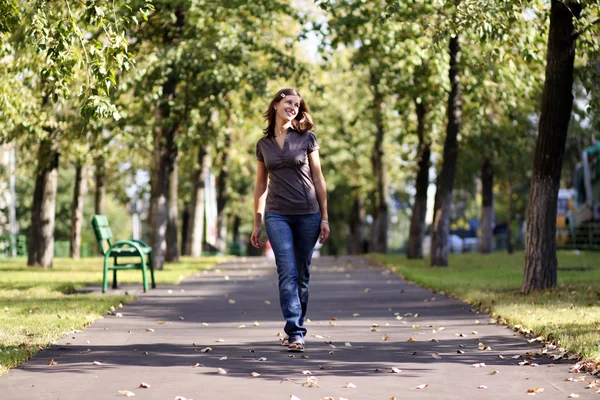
(303, 121)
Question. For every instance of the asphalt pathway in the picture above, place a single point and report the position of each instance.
(371, 335)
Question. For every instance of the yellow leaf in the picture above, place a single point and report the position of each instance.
(535, 390)
(411, 339)
(161, 322)
(385, 337)
(52, 362)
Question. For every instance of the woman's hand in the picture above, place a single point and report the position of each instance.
(324, 231)
(255, 237)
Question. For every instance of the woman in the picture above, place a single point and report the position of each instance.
(294, 204)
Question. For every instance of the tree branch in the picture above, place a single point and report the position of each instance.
(586, 28)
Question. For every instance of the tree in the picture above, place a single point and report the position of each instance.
(557, 102)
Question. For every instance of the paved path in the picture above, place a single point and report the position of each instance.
(353, 307)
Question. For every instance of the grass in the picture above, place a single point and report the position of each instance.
(39, 306)
(568, 315)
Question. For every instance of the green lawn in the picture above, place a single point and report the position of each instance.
(39, 306)
(568, 315)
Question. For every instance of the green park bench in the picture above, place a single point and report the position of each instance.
(124, 248)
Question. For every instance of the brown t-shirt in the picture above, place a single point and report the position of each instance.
(291, 188)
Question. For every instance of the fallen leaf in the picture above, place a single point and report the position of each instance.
(460, 351)
(347, 344)
(242, 326)
(161, 322)
(221, 371)
(396, 370)
(416, 326)
(331, 323)
(433, 340)
(422, 386)
(573, 396)
(219, 340)
(305, 356)
(350, 385)
(306, 372)
(479, 365)
(223, 358)
(311, 381)
(256, 323)
(205, 350)
(144, 385)
(97, 363)
(494, 372)
(535, 391)
(205, 324)
(474, 333)
(181, 318)
(197, 365)
(231, 301)
(411, 339)
(126, 393)
(267, 302)
(477, 322)
(436, 356)
(481, 346)
(52, 362)
(318, 337)
(262, 359)
(481, 387)
(255, 374)
(356, 315)
(385, 337)
(367, 290)
(516, 357)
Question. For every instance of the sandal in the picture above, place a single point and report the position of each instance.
(296, 347)
(285, 341)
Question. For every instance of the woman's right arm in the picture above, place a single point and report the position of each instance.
(260, 195)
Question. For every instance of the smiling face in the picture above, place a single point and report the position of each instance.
(287, 108)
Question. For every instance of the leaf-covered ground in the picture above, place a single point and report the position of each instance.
(568, 315)
(39, 306)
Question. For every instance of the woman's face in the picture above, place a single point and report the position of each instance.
(288, 107)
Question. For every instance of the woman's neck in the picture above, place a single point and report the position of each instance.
(281, 127)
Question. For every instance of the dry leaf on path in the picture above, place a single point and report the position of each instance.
(479, 365)
(573, 396)
(494, 372)
(411, 339)
(256, 323)
(422, 386)
(396, 370)
(255, 374)
(262, 359)
(481, 387)
(52, 362)
(292, 397)
(350, 385)
(221, 371)
(149, 330)
(385, 337)
(306, 372)
(144, 385)
(242, 326)
(205, 350)
(97, 363)
(460, 352)
(223, 358)
(436, 356)
(433, 340)
(535, 391)
(126, 393)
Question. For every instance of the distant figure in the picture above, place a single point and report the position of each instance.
(294, 206)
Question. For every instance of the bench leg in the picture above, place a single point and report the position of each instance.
(151, 265)
(144, 278)
(105, 277)
(114, 285)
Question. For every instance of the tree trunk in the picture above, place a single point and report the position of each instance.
(196, 227)
(41, 236)
(222, 196)
(357, 227)
(509, 245)
(77, 209)
(185, 226)
(487, 207)
(445, 182)
(164, 134)
(173, 211)
(557, 103)
(379, 230)
(419, 209)
(100, 178)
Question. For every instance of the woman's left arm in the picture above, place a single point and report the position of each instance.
(321, 189)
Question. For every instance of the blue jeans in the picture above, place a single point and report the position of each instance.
(293, 239)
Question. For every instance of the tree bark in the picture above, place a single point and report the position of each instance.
(164, 135)
(509, 245)
(77, 209)
(419, 210)
(196, 226)
(41, 236)
(185, 226)
(357, 227)
(487, 207)
(557, 103)
(379, 230)
(100, 179)
(173, 210)
(222, 196)
(445, 182)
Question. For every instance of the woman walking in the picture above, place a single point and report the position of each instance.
(294, 204)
